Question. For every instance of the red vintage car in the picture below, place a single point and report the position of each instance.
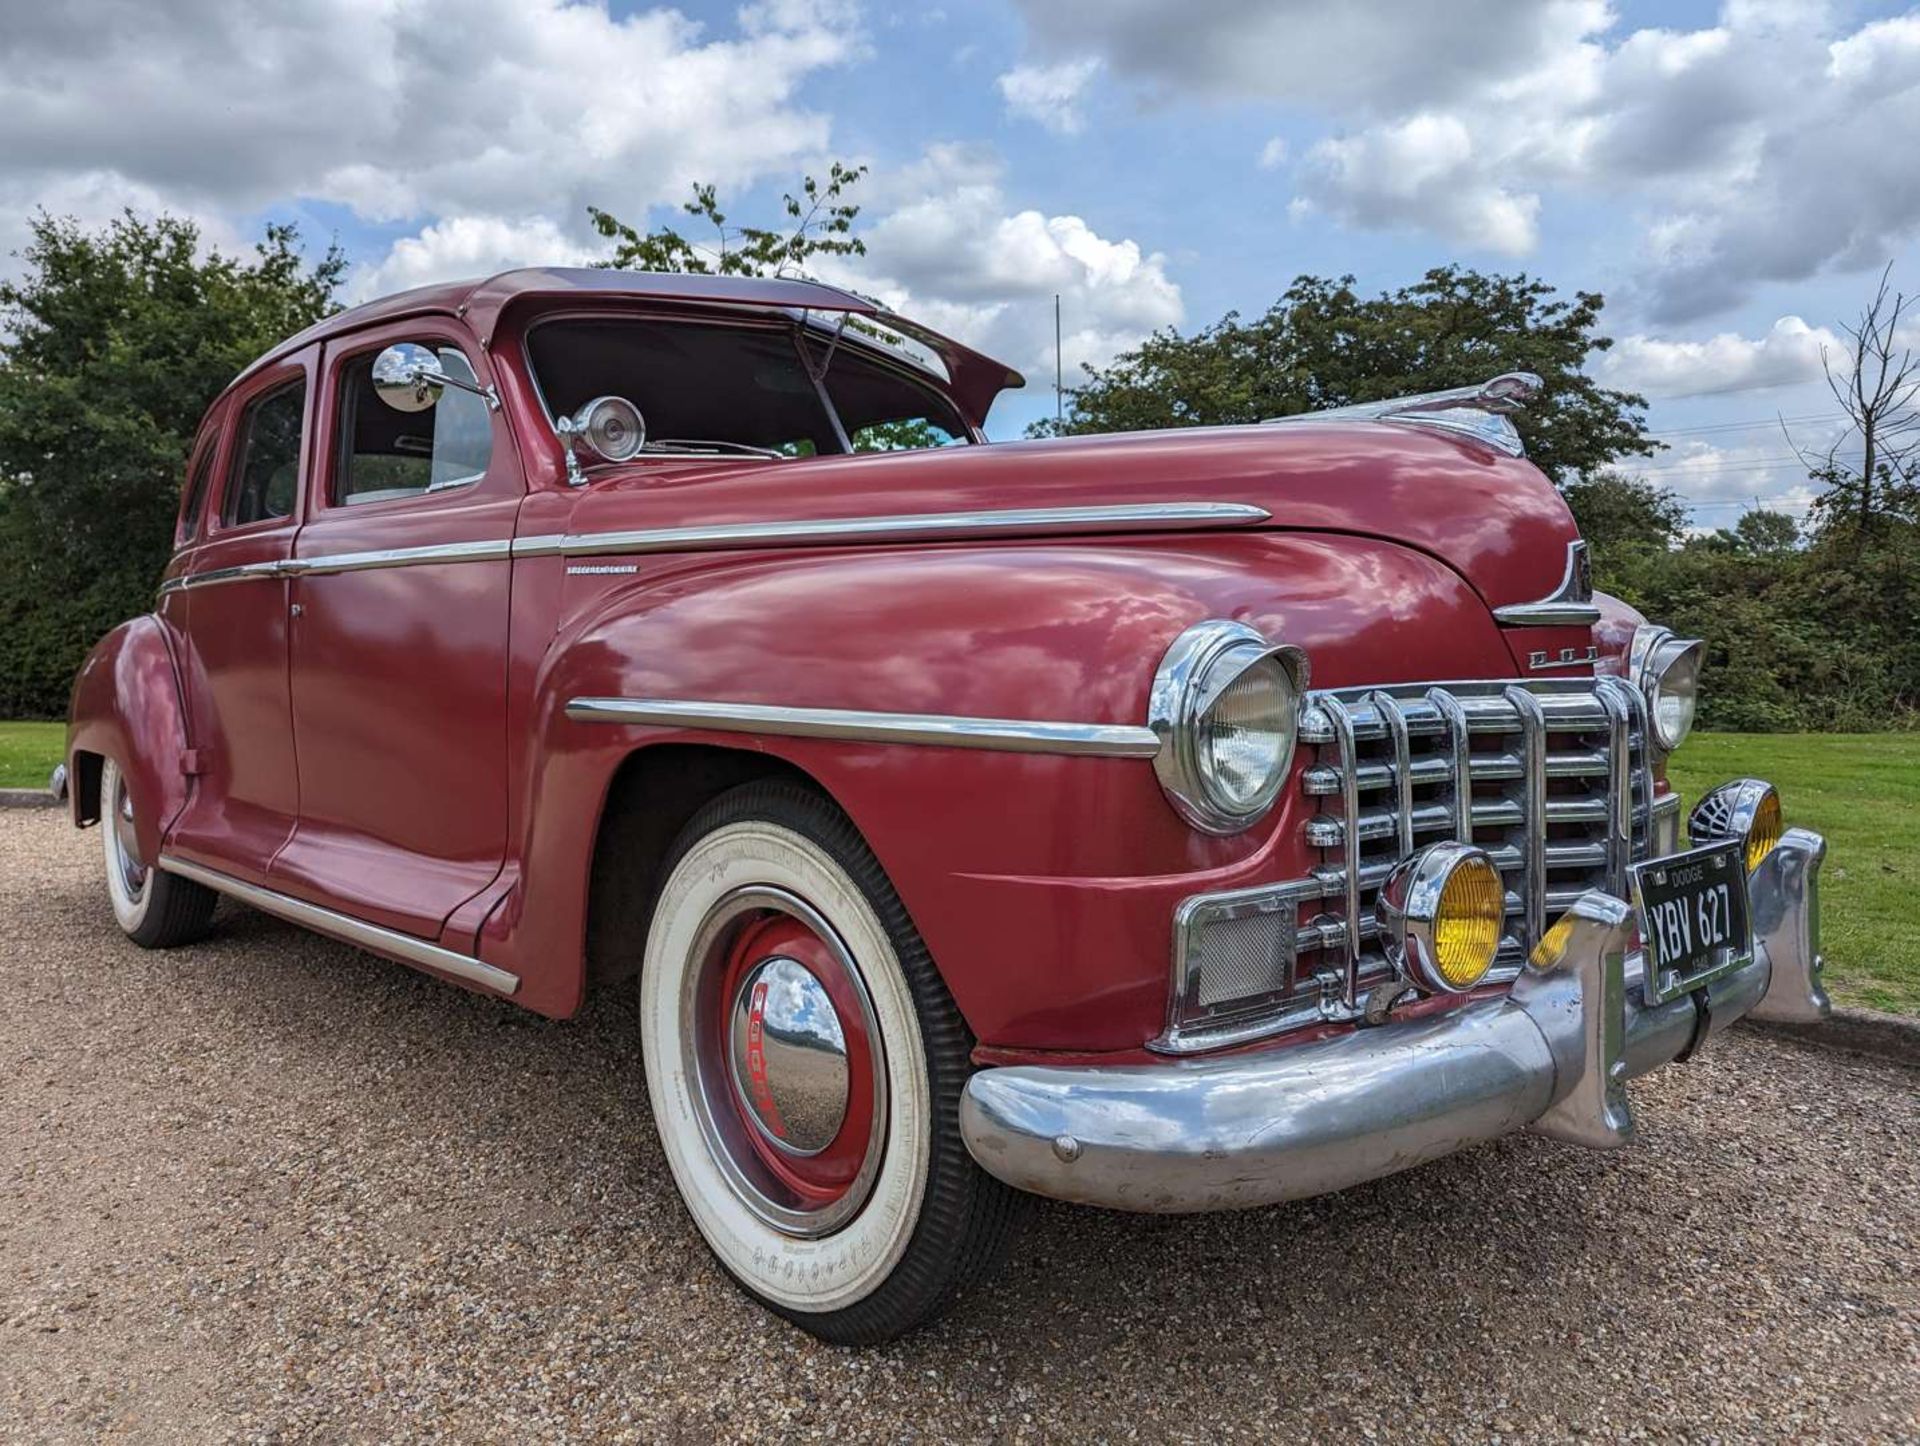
(1174, 821)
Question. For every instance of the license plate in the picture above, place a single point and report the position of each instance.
(1693, 917)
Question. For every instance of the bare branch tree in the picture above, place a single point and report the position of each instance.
(1876, 382)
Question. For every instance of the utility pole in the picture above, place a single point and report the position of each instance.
(1059, 392)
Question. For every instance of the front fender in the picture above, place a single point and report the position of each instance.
(126, 705)
(1044, 884)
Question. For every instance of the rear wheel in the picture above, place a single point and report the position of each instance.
(157, 910)
(805, 1064)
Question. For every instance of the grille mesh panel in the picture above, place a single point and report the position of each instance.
(1239, 959)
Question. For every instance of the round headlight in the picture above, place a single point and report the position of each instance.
(1669, 674)
(1442, 912)
(1747, 809)
(1226, 707)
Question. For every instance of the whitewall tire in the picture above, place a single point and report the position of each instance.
(155, 909)
(804, 1063)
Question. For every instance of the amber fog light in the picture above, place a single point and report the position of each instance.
(1442, 912)
(1747, 809)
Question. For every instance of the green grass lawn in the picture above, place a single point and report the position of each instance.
(28, 753)
(1862, 790)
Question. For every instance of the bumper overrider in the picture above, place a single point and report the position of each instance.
(1287, 1122)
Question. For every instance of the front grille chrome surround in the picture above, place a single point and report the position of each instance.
(1553, 778)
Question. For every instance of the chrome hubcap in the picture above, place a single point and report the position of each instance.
(789, 1056)
(780, 1041)
(126, 844)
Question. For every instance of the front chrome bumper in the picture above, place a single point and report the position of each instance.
(1300, 1120)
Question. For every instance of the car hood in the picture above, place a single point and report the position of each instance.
(1493, 518)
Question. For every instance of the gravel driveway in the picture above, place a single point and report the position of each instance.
(272, 1188)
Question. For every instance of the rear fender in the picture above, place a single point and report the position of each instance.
(126, 705)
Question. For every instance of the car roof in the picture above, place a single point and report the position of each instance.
(976, 379)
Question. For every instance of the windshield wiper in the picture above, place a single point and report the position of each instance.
(692, 445)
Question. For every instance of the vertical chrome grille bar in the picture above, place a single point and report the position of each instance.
(1642, 766)
(1460, 756)
(1342, 722)
(1533, 848)
(1610, 691)
(1396, 726)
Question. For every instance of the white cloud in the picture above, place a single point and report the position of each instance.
(1767, 146)
(1049, 94)
(1273, 154)
(1718, 483)
(1426, 168)
(1307, 51)
(468, 246)
(1789, 353)
(402, 111)
(952, 253)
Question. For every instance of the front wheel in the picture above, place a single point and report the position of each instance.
(805, 1063)
(155, 909)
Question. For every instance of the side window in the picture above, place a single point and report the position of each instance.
(266, 469)
(197, 492)
(387, 453)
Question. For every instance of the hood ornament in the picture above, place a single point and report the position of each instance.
(1478, 411)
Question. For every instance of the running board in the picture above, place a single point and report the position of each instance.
(348, 929)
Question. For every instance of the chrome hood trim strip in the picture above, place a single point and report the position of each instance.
(1568, 605)
(1098, 740)
(347, 928)
(907, 527)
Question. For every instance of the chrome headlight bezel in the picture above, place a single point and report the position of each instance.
(1731, 810)
(1196, 672)
(1658, 659)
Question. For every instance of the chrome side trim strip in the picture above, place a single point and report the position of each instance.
(348, 929)
(1100, 740)
(214, 577)
(904, 528)
(1144, 516)
(1568, 605)
(485, 551)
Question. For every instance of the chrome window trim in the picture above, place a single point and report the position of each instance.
(1568, 605)
(904, 527)
(347, 928)
(1009, 735)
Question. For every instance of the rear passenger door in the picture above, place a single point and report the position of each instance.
(399, 646)
(233, 615)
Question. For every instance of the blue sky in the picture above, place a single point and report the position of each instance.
(1731, 177)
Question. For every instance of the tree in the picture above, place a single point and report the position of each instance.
(1324, 345)
(1615, 511)
(112, 345)
(821, 225)
(1764, 533)
(1877, 384)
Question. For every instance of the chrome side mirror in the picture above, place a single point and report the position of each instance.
(409, 377)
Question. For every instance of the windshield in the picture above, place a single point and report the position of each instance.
(735, 386)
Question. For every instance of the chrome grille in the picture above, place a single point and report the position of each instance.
(1551, 778)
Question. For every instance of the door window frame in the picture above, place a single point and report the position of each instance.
(297, 368)
(503, 474)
